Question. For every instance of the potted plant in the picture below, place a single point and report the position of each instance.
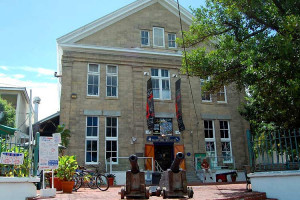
(67, 166)
(111, 178)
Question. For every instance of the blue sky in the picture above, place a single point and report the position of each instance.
(28, 33)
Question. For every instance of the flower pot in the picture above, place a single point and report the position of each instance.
(110, 181)
(57, 183)
(67, 186)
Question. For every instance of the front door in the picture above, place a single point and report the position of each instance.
(164, 154)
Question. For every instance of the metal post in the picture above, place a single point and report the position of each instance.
(250, 147)
(36, 153)
(110, 165)
(30, 133)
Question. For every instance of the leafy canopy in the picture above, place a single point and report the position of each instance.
(7, 113)
(254, 44)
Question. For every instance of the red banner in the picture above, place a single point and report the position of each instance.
(150, 114)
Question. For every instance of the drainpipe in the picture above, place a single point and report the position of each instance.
(36, 102)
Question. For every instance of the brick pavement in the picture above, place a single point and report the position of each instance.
(202, 192)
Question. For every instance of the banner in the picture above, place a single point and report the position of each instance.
(9, 158)
(150, 114)
(181, 126)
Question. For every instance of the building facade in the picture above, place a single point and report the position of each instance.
(104, 68)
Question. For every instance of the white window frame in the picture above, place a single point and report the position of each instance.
(160, 79)
(115, 75)
(225, 96)
(211, 140)
(112, 138)
(148, 38)
(91, 138)
(202, 82)
(172, 40)
(226, 140)
(93, 74)
(163, 36)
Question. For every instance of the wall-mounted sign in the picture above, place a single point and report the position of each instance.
(163, 139)
(9, 158)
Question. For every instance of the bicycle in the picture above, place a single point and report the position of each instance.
(94, 179)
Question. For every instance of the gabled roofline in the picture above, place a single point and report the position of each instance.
(48, 118)
(21, 89)
(119, 14)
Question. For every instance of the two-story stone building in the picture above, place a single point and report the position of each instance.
(105, 66)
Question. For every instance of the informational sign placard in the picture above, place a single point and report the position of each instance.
(48, 153)
(9, 158)
(56, 138)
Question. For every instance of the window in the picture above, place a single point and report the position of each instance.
(205, 96)
(145, 38)
(91, 140)
(225, 141)
(163, 126)
(172, 40)
(221, 95)
(210, 143)
(158, 37)
(111, 81)
(93, 79)
(161, 84)
(111, 138)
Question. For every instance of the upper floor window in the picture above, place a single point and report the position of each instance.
(93, 80)
(221, 95)
(172, 40)
(205, 96)
(145, 38)
(111, 81)
(161, 84)
(158, 37)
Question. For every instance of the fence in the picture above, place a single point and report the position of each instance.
(272, 151)
(30, 162)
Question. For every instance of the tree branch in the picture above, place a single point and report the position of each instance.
(254, 33)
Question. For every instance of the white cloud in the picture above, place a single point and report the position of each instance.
(4, 68)
(18, 76)
(48, 92)
(40, 71)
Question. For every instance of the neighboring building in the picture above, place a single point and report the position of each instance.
(19, 99)
(105, 67)
(47, 126)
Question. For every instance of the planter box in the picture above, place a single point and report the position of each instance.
(14, 188)
(277, 184)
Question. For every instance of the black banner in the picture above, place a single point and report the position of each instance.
(181, 126)
(150, 114)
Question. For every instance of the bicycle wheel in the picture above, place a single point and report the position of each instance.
(78, 181)
(102, 182)
(92, 182)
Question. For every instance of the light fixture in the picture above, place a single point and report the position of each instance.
(174, 75)
(74, 96)
(146, 73)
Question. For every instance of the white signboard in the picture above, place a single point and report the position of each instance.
(9, 158)
(48, 153)
(57, 138)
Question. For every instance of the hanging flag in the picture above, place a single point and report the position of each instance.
(181, 126)
(150, 114)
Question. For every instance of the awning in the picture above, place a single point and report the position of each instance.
(5, 130)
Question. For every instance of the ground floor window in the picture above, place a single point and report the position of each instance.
(91, 151)
(111, 139)
(91, 139)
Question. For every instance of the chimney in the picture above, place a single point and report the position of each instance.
(36, 102)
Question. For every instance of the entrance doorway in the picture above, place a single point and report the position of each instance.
(164, 154)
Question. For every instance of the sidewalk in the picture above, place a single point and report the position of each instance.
(203, 192)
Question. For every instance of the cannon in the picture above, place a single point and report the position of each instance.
(135, 181)
(173, 181)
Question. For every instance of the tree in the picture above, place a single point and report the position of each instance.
(65, 136)
(7, 113)
(255, 45)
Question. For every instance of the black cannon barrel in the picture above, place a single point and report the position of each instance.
(178, 159)
(134, 164)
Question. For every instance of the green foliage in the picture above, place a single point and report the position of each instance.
(67, 166)
(9, 113)
(254, 45)
(65, 136)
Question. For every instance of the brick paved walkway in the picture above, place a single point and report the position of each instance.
(204, 192)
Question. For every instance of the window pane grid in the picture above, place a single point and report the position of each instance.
(206, 96)
(172, 40)
(221, 95)
(111, 138)
(160, 84)
(158, 37)
(111, 81)
(93, 80)
(145, 37)
(91, 144)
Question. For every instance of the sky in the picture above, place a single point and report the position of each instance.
(28, 33)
